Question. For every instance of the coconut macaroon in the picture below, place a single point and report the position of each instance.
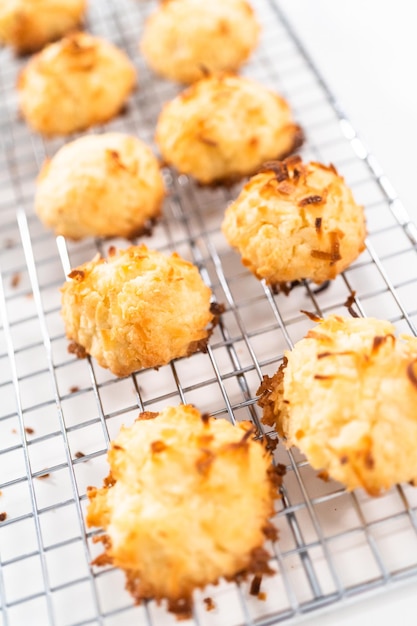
(106, 185)
(27, 25)
(184, 40)
(187, 502)
(73, 84)
(223, 128)
(346, 396)
(295, 221)
(138, 308)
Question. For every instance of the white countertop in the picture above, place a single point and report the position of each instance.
(366, 52)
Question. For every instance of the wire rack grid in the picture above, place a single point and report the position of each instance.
(58, 414)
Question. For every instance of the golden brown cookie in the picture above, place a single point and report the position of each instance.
(27, 25)
(188, 501)
(138, 308)
(184, 40)
(223, 128)
(346, 396)
(106, 185)
(75, 83)
(294, 221)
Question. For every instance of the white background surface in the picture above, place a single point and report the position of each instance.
(366, 51)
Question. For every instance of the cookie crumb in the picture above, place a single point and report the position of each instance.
(15, 280)
(42, 476)
(210, 605)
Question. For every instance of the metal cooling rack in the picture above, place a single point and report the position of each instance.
(57, 414)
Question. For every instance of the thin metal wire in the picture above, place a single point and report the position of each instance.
(235, 361)
(31, 265)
